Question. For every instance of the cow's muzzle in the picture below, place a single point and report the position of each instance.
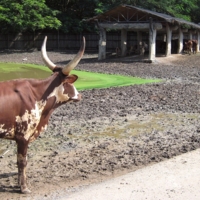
(77, 98)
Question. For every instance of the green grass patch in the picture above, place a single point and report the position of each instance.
(90, 80)
(12, 67)
(87, 80)
(9, 71)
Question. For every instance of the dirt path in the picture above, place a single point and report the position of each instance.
(177, 178)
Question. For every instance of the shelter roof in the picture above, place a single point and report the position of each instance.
(133, 14)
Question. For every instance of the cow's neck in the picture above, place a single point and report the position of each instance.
(43, 88)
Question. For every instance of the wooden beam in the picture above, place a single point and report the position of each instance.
(172, 28)
(130, 26)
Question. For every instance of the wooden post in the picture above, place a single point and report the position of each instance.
(180, 41)
(198, 41)
(168, 40)
(123, 42)
(102, 44)
(152, 41)
(139, 39)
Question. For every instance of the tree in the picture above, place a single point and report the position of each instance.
(196, 13)
(177, 8)
(68, 15)
(73, 12)
(22, 15)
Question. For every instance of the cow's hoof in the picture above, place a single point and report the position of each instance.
(25, 191)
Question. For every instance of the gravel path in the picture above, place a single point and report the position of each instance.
(111, 131)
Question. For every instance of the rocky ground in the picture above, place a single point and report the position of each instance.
(111, 131)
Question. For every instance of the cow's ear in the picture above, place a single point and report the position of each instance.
(71, 78)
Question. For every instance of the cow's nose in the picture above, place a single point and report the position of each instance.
(78, 98)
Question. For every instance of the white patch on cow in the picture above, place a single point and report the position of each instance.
(44, 128)
(32, 118)
(39, 106)
(32, 138)
(58, 92)
(9, 132)
(1, 128)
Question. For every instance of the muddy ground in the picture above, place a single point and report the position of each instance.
(111, 131)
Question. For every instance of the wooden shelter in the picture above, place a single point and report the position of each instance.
(130, 18)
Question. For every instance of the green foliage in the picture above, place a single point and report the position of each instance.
(72, 13)
(178, 8)
(19, 16)
(195, 14)
(69, 15)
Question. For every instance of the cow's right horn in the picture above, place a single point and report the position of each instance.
(46, 59)
(73, 63)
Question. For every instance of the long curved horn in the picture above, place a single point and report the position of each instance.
(73, 63)
(45, 58)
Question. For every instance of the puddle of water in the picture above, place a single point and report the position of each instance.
(158, 121)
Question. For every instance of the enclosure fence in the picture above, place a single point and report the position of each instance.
(60, 41)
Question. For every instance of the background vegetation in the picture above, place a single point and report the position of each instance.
(68, 15)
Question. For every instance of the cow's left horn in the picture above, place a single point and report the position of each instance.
(46, 59)
(73, 63)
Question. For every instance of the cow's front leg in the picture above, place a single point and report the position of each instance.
(21, 163)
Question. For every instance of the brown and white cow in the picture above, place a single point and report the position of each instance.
(188, 46)
(194, 46)
(26, 105)
(191, 46)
